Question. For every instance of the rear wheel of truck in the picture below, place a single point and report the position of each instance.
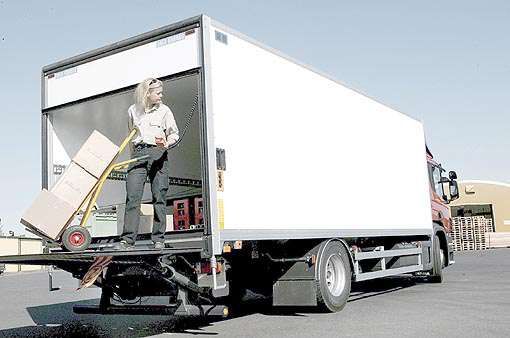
(76, 238)
(333, 284)
(438, 261)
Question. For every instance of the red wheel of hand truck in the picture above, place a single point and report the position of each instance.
(76, 238)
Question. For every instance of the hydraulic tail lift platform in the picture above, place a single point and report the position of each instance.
(156, 264)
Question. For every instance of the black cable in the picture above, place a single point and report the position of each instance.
(188, 122)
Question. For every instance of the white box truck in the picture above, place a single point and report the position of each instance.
(301, 185)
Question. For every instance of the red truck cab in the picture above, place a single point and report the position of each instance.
(443, 190)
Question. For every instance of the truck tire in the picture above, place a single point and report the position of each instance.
(333, 282)
(438, 260)
(76, 238)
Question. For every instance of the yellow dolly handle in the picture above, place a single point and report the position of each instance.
(94, 194)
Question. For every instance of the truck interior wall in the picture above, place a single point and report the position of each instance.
(71, 124)
(304, 152)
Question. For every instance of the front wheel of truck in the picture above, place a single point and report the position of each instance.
(333, 284)
(438, 261)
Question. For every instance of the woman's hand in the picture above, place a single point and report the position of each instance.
(161, 142)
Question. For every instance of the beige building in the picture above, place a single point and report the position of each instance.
(484, 198)
(10, 245)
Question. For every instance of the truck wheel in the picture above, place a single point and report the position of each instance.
(76, 238)
(438, 262)
(333, 284)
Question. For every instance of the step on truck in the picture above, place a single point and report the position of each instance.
(287, 186)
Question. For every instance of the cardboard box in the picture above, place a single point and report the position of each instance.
(51, 211)
(96, 154)
(74, 185)
(48, 214)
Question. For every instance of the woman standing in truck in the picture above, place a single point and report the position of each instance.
(157, 131)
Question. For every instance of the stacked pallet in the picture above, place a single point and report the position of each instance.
(469, 232)
(497, 239)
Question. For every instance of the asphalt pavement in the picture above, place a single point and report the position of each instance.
(473, 301)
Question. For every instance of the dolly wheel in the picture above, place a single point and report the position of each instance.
(76, 238)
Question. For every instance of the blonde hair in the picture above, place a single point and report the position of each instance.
(142, 90)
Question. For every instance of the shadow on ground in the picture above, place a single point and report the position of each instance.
(58, 320)
(359, 291)
(377, 287)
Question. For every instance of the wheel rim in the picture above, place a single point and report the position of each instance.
(335, 275)
(76, 238)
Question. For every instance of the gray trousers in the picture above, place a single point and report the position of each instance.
(156, 168)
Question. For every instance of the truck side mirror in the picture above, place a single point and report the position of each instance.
(445, 187)
(453, 175)
(454, 190)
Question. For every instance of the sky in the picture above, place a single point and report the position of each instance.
(446, 63)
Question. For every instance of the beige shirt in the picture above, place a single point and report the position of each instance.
(157, 122)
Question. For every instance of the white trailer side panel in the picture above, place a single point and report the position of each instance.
(163, 57)
(307, 155)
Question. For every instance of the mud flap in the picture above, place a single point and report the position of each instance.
(95, 270)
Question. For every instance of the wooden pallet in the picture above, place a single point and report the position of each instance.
(469, 232)
(497, 239)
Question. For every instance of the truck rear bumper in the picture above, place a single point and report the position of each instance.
(173, 310)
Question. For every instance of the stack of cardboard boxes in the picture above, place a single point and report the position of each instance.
(53, 210)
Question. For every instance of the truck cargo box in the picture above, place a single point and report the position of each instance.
(286, 184)
(277, 149)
